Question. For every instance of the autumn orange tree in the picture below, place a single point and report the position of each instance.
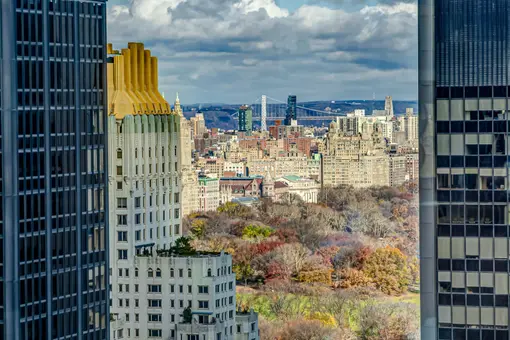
(389, 270)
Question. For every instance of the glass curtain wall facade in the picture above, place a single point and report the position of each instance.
(53, 213)
(464, 177)
(291, 113)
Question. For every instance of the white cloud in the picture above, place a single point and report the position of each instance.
(235, 50)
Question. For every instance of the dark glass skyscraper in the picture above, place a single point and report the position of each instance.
(53, 211)
(464, 73)
(291, 113)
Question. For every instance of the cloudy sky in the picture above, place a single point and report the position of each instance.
(234, 51)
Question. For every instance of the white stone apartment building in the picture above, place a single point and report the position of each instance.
(397, 170)
(145, 216)
(247, 325)
(189, 178)
(157, 290)
(208, 193)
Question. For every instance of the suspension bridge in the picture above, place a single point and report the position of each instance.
(266, 109)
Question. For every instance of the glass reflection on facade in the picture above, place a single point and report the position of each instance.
(291, 113)
(464, 177)
(53, 258)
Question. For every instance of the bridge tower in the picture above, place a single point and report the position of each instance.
(263, 113)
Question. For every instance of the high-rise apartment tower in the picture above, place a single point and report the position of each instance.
(245, 119)
(464, 203)
(53, 183)
(291, 113)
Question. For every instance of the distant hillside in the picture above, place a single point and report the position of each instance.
(219, 115)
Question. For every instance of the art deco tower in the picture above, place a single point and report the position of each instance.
(53, 194)
(464, 80)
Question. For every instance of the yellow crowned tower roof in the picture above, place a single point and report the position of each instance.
(133, 83)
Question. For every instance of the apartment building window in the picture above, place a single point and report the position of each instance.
(163, 167)
(177, 229)
(137, 332)
(120, 288)
(150, 220)
(138, 235)
(119, 185)
(138, 219)
(127, 317)
(127, 288)
(158, 272)
(120, 303)
(181, 303)
(253, 326)
(176, 166)
(122, 254)
(137, 303)
(150, 273)
(150, 152)
(203, 304)
(120, 272)
(171, 272)
(136, 287)
(150, 168)
(172, 303)
(154, 303)
(119, 170)
(138, 202)
(136, 272)
(155, 333)
(189, 289)
(137, 317)
(172, 318)
(126, 271)
(181, 273)
(176, 213)
(122, 202)
(172, 288)
(150, 200)
(181, 289)
(189, 272)
(176, 198)
(119, 154)
(154, 317)
(136, 170)
(193, 337)
(231, 285)
(122, 219)
(231, 314)
(122, 236)
(154, 288)
(175, 151)
(230, 300)
(238, 328)
(203, 289)
(127, 302)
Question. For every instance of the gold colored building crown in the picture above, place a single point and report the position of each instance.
(133, 83)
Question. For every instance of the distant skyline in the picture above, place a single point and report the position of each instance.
(233, 51)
